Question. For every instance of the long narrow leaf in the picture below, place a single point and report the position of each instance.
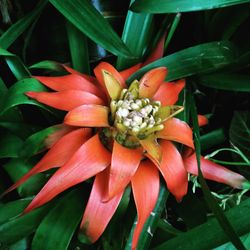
(78, 45)
(89, 21)
(64, 217)
(136, 34)
(15, 30)
(213, 205)
(209, 234)
(192, 61)
(169, 6)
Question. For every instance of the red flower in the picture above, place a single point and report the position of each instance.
(131, 143)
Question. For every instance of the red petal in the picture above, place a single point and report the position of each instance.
(151, 81)
(88, 116)
(87, 77)
(128, 72)
(145, 186)
(90, 159)
(57, 155)
(177, 130)
(214, 172)
(66, 99)
(61, 130)
(108, 67)
(173, 170)
(158, 51)
(124, 163)
(168, 92)
(69, 82)
(98, 213)
(202, 120)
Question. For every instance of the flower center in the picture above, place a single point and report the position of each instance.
(134, 118)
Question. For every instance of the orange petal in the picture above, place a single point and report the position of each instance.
(177, 130)
(151, 81)
(88, 116)
(213, 171)
(124, 163)
(66, 99)
(157, 52)
(128, 72)
(90, 159)
(60, 131)
(87, 77)
(98, 213)
(108, 67)
(168, 92)
(145, 186)
(173, 170)
(202, 120)
(154, 151)
(57, 155)
(69, 82)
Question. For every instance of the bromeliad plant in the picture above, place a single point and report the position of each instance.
(123, 128)
(122, 136)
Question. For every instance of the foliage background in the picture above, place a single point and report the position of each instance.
(207, 42)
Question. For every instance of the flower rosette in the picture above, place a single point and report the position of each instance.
(121, 135)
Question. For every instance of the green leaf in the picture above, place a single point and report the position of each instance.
(16, 168)
(12, 209)
(78, 45)
(16, 94)
(228, 246)
(169, 6)
(214, 236)
(226, 81)
(212, 138)
(89, 21)
(15, 30)
(199, 59)
(10, 145)
(15, 64)
(58, 227)
(19, 226)
(210, 200)
(36, 142)
(49, 65)
(136, 35)
(152, 222)
(239, 132)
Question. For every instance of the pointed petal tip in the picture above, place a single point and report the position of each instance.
(31, 94)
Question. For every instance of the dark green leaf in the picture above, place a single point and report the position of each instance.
(12, 209)
(232, 82)
(16, 168)
(21, 226)
(169, 6)
(16, 94)
(36, 142)
(48, 65)
(212, 138)
(58, 227)
(78, 44)
(210, 200)
(209, 234)
(136, 34)
(10, 145)
(192, 61)
(152, 222)
(15, 64)
(239, 132)
(89, 21)
(15, 30)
